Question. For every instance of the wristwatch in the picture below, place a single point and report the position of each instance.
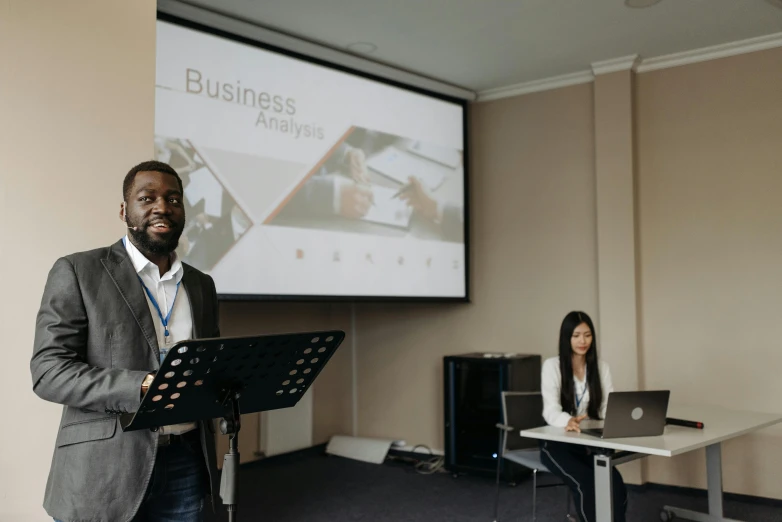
(146, 383)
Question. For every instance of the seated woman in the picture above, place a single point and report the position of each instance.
(575, 386)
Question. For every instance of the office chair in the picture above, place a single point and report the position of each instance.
(522, 411)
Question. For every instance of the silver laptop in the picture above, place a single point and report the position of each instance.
(633, 414)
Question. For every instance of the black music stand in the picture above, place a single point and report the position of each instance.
(204, 379)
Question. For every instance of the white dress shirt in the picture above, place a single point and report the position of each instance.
(164, 289)
(551, 387)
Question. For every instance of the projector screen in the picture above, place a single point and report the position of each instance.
(302, 180)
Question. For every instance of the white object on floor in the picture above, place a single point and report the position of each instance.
(359, 448)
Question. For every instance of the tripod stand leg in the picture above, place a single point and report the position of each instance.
(229, 478)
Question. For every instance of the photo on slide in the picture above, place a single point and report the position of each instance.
(376, 183)
(214, 219)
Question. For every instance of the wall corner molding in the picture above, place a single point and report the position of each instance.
(545, 84)
(623, 63)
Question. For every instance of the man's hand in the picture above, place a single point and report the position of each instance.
(357, 165)
(419, 198)
(354, 200)
(574, 424)
(145, 384)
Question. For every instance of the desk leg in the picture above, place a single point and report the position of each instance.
(604, 490)
(714, 478)
(714, 481)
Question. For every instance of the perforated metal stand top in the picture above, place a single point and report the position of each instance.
(204, 379)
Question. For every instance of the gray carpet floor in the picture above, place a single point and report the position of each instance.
(310, 486)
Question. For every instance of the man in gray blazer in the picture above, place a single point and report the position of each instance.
(106, 320)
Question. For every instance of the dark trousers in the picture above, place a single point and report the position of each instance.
(575, 465)
(178, 485)
(176, 490)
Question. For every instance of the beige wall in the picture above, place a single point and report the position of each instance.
(710, 182)
(77, 95)
(533, 260)
(615, 203)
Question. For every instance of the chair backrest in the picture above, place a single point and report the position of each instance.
(522, 411)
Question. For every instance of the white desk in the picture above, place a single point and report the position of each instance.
(720, 424)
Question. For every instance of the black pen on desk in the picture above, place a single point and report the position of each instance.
(685, 423)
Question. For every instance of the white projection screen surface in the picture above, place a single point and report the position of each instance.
(304, 181)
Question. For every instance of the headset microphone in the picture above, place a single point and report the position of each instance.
(131, 228)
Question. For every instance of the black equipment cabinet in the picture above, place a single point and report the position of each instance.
(474, 383)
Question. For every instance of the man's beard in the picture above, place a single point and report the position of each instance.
(149, 244)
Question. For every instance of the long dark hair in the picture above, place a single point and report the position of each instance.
(567, 393)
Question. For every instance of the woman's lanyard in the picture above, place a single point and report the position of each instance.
(583, 394)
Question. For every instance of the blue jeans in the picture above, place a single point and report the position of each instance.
(177, 487)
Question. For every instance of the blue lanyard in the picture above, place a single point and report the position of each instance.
(583, 394)
(165, 319)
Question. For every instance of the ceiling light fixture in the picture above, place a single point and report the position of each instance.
(641, 3)
(362, 47)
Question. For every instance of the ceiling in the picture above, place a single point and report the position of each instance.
(487, 44)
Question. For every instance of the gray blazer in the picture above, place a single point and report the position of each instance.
(94, 343)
